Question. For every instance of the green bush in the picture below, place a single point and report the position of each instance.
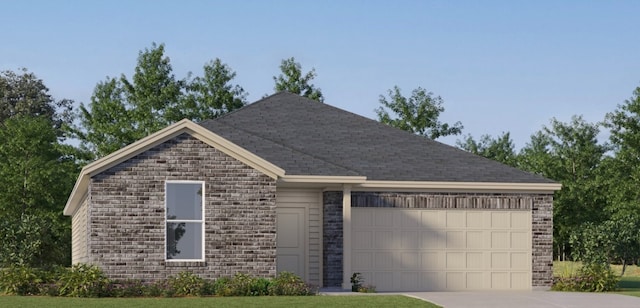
(83, 280)
(220, 286)
(287, 283)
(20, 280)
(126, 288)
(244, 285)
(186, 284)
(590, 278)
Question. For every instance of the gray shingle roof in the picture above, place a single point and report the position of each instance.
(305, 137)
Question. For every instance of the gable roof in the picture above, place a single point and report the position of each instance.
(308, 138)
(297, 140)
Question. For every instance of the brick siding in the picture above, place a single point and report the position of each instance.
(127, 226)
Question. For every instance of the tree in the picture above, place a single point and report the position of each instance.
(571, 154)
(123, 111)
(418, 114)
(24, 93)
(623, 172)
(291, 79)
(212, 95)
(36, 177)
(500, 149)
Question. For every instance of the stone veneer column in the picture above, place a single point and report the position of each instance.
(542, 250)
(332, 239)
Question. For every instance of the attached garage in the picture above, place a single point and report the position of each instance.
(442, 250)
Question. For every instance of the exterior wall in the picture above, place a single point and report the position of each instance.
(79, 249)
(541, 206)
(127, 214)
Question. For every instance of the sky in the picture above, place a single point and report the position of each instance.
(499, 66)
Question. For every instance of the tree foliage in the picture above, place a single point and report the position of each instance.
(293, 80)
(24, 94)
(571, 154)
(123, 111)
(500, 149)
(37, 173)
(418, 114)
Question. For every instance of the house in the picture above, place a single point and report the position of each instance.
(287, 183)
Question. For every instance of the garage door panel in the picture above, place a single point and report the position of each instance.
(409, 281)
(475, 240)
(475, 281)
(500, 220)
(475, 220)
(456, 219)
(384, 219)
(520, 240)
(384, 260)
(442, 250)
(520, 220)
(363, 239)
(434, 219)
(433, 260)
(362, 260)
(475, 260)
(431, 281)
(500, 239)
(455, 239)
(384, 239)
(456, 260)
(455, 281)
(432, 239)
(500, 280)
(410, 219)
(520, 280)
(520, 261)
(410, 239)
(409, 261)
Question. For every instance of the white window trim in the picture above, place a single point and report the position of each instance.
(202, 221)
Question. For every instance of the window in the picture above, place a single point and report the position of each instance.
(184, 220)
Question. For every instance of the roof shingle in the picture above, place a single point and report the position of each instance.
(305, 137)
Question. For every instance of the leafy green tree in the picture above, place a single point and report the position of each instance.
(623, 168)
(36, 177)
(499, 149)
(23, 93)
(293, 80)
(213, 94)
(418, 114)
(571, 154)
(123, 111)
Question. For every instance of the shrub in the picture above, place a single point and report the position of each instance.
(126, 288)
(243, 285)
(83, 280)
(186, 284)
(287, 283)
(590, 278)
(20, 280)
(367, 288)
(220, 286)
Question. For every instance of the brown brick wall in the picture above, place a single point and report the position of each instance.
(127, 211)
(540, 205)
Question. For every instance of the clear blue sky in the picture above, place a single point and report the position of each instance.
(498, 65)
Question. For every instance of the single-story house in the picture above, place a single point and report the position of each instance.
(287, 183)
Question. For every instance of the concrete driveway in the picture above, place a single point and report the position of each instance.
(523, 299)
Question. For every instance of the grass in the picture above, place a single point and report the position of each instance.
(195, 302)
(629, 283)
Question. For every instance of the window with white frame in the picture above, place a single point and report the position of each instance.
(184, 202)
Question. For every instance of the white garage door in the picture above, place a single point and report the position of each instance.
(442, 250)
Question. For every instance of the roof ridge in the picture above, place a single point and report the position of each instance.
(249, 105)
(287, 147)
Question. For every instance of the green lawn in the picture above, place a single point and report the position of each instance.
(194, 302)
(629, 283)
